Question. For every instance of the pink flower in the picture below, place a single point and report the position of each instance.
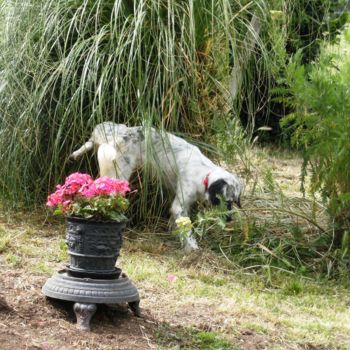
(106, 186)
(172, 278)
(78, 184)
(53, 200)
(75, 181)
(88, 191)
(64, 193)
(79, 188)
(78, 178)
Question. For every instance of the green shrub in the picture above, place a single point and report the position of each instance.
(301, 25)
(320, 96)
(313, 22)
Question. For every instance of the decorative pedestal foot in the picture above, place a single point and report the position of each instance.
(135, 308)
(84, 313)
(87, 292)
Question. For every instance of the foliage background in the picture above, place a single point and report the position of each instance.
(201, 69)
(303, 26)
(67, 65)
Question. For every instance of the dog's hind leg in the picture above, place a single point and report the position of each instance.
(88, 146)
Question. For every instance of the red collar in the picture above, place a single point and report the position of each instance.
(206, 182)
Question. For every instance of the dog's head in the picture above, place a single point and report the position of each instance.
(227, 186)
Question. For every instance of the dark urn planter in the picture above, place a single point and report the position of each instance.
(91, 278)
(93, 247)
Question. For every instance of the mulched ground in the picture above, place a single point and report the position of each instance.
(31, 321)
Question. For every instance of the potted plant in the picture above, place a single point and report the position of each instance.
(95, 220)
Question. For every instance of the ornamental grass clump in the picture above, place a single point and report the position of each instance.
(66, 66)
(81, 196)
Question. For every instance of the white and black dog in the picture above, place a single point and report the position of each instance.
(192, 176)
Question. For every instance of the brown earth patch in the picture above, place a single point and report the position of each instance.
(34, 322)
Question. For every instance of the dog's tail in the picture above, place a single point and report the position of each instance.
(107, 160)
(86, 147)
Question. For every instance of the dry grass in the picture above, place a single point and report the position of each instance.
(205, 297)
(198, 301)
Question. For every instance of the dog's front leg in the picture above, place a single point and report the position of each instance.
(179, 211)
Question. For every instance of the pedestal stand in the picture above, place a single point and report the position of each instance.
(87, 292)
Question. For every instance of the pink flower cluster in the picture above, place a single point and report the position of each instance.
(105, 186)
(82, 185)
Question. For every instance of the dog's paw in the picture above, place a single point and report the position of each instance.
(190, 244)
(74, 156)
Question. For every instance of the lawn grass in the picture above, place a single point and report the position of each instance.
(204, 300)
(198, 305)
(292, 312)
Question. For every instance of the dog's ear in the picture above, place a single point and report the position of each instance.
(233, 193)
(238, 202)
(215, 190)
